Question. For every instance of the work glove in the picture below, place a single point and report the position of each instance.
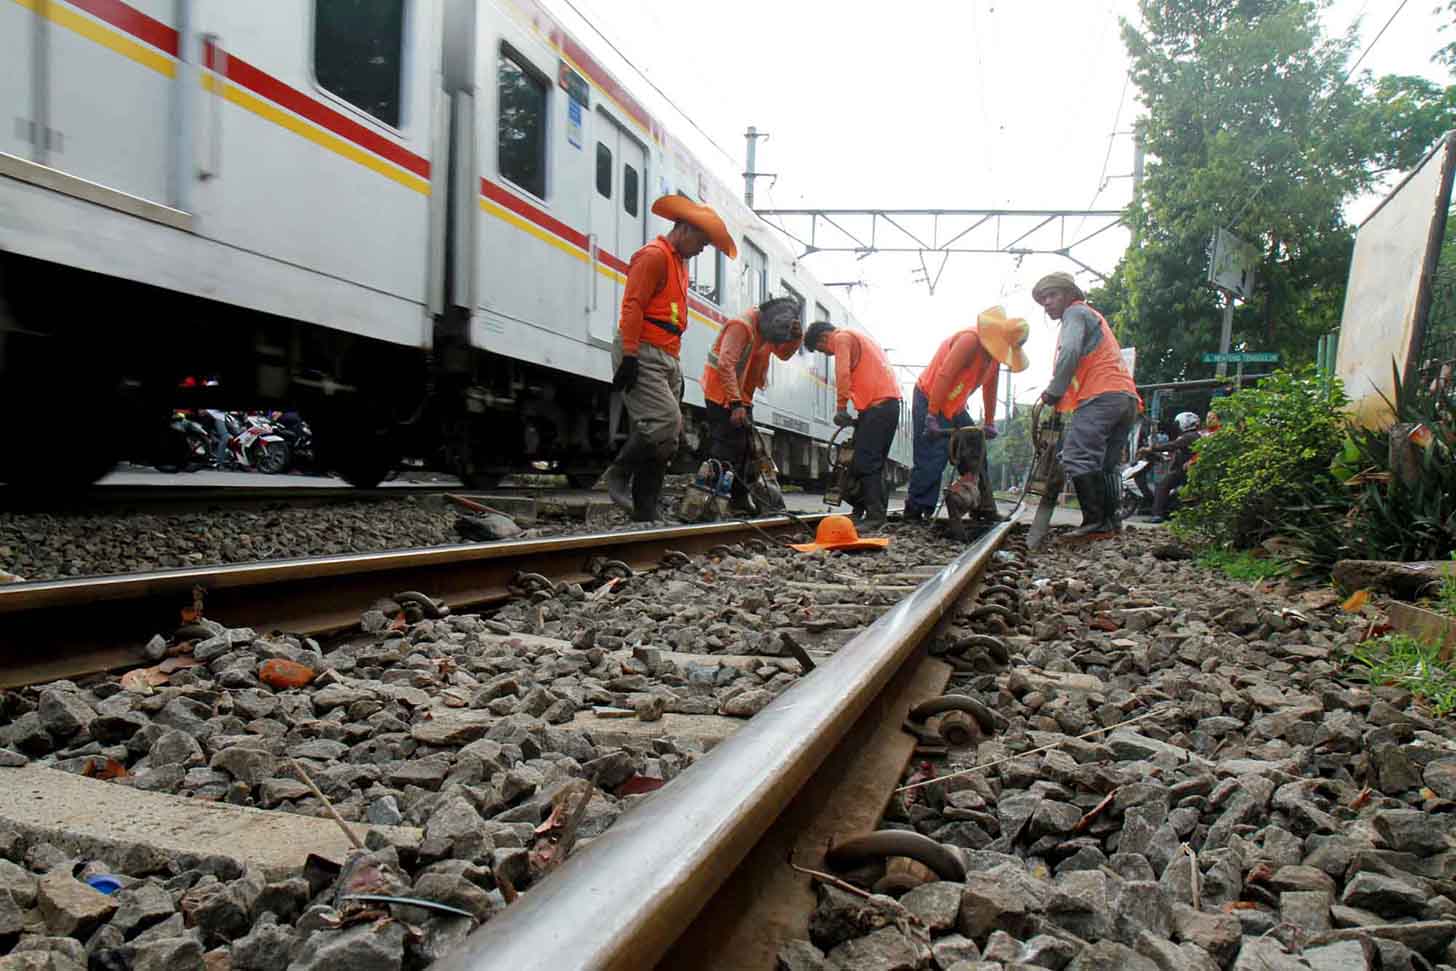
(932, 425)
(842, 418)
(989, 430)
(1050, 399)
(738, 417)
(626, 377)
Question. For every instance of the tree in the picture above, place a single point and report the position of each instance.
(1252, 125)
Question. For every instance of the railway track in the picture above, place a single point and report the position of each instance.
(697, 872)
(65, 628)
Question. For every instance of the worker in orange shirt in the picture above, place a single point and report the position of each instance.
(645, 350)
(862, 374)
(965, 361)
(1092, 387)
(735, 370)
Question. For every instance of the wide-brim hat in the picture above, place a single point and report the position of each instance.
(681, 209)
(838, 533)
(1060, 280)
(1003, 337)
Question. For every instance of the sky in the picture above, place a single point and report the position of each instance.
(926, 104)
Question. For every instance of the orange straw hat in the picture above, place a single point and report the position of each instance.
(1003, 336)
(838, 533)
(681, 209)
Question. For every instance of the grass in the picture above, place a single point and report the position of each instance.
(1445, 599)
(1402, 661)
(1241, 564)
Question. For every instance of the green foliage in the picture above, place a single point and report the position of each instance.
(1404, 510)
(1240, 564)
(1250, 125)
(1404, 662)
(1272, 455)
(1445, 599)
(1011, 447)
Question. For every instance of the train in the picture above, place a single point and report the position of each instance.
(410, 220)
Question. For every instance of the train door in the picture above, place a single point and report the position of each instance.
(618, 220)
(755, 275)
(99, 91)
(822, 391)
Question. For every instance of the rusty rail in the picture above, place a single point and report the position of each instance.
(622, 902)
(65, 628)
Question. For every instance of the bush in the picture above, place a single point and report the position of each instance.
(1271, 458)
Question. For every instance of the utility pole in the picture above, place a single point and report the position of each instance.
(750, 171)
(1226, 334)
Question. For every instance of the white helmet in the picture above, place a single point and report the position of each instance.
(1187, 421)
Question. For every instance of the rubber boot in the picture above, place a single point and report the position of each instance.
(1092, 496)
(635, 453)
(875, 505)
(647, 491)
(1114, 502)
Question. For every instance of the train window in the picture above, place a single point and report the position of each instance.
(358, 49)
(521, 125)
(796, 295)
(604, 171)
(629, 190)
(821, 312)
(706, 270)
(755, 269)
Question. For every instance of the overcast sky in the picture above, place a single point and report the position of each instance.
(925, 104)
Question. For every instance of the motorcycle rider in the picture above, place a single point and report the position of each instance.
(1091, 383)
(1180, 451)
(862, 373)
(736, 368)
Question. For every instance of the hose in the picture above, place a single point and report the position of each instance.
(898, 842)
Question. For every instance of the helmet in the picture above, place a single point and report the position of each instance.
(1187, 421)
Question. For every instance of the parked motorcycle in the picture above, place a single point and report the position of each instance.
(299, 436)
(187, 446)
(257, 445)
(1133, 500)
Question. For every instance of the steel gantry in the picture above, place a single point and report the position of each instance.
(942, 232)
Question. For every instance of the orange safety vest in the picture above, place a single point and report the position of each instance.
(967, 381)
(870, 376)
(666, 315)
(750, 377)
(1099, 372)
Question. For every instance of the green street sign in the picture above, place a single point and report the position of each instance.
(1241, 357)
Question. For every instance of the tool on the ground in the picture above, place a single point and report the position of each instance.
(963, 496)
(844, 485)
(1046, 477)
(707, 497)
(762, 475)
(302, 774)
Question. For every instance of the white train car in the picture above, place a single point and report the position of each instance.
(411, 219)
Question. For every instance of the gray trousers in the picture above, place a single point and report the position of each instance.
(1094, 439)
(655, 402)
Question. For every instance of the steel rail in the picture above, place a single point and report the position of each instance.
(64, 628)
(624, 900)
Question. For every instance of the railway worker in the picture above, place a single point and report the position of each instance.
(862, 373)
(735, 370)
(1090, 382)
(645, 350)
(966, 360)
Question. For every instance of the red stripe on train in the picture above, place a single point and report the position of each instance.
(132, 21)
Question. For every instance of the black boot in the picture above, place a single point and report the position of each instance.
(636, 452)
(647, 491)
(1092, 496)
(1114, 502)
(875, 506)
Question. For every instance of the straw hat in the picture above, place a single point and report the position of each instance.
(681, 209)
(1003, 336)
(838, 533)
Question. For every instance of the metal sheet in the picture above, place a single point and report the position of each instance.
(624, 900)
(1388, 294)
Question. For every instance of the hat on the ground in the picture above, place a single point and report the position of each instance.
(838, 533)
(1003, 337)
(1059, 280)
(681, 209)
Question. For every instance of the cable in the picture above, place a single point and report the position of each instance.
(643, 75)
(1371, 47)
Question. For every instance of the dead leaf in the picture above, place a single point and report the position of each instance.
(1240, 905)
(638, 784)
(177, 663)
(1362, 798)
(399, 623)
(1103, 623)
(1357, 600)
(142, 680)
(104, 769)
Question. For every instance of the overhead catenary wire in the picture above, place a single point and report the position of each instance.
(653, 84)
